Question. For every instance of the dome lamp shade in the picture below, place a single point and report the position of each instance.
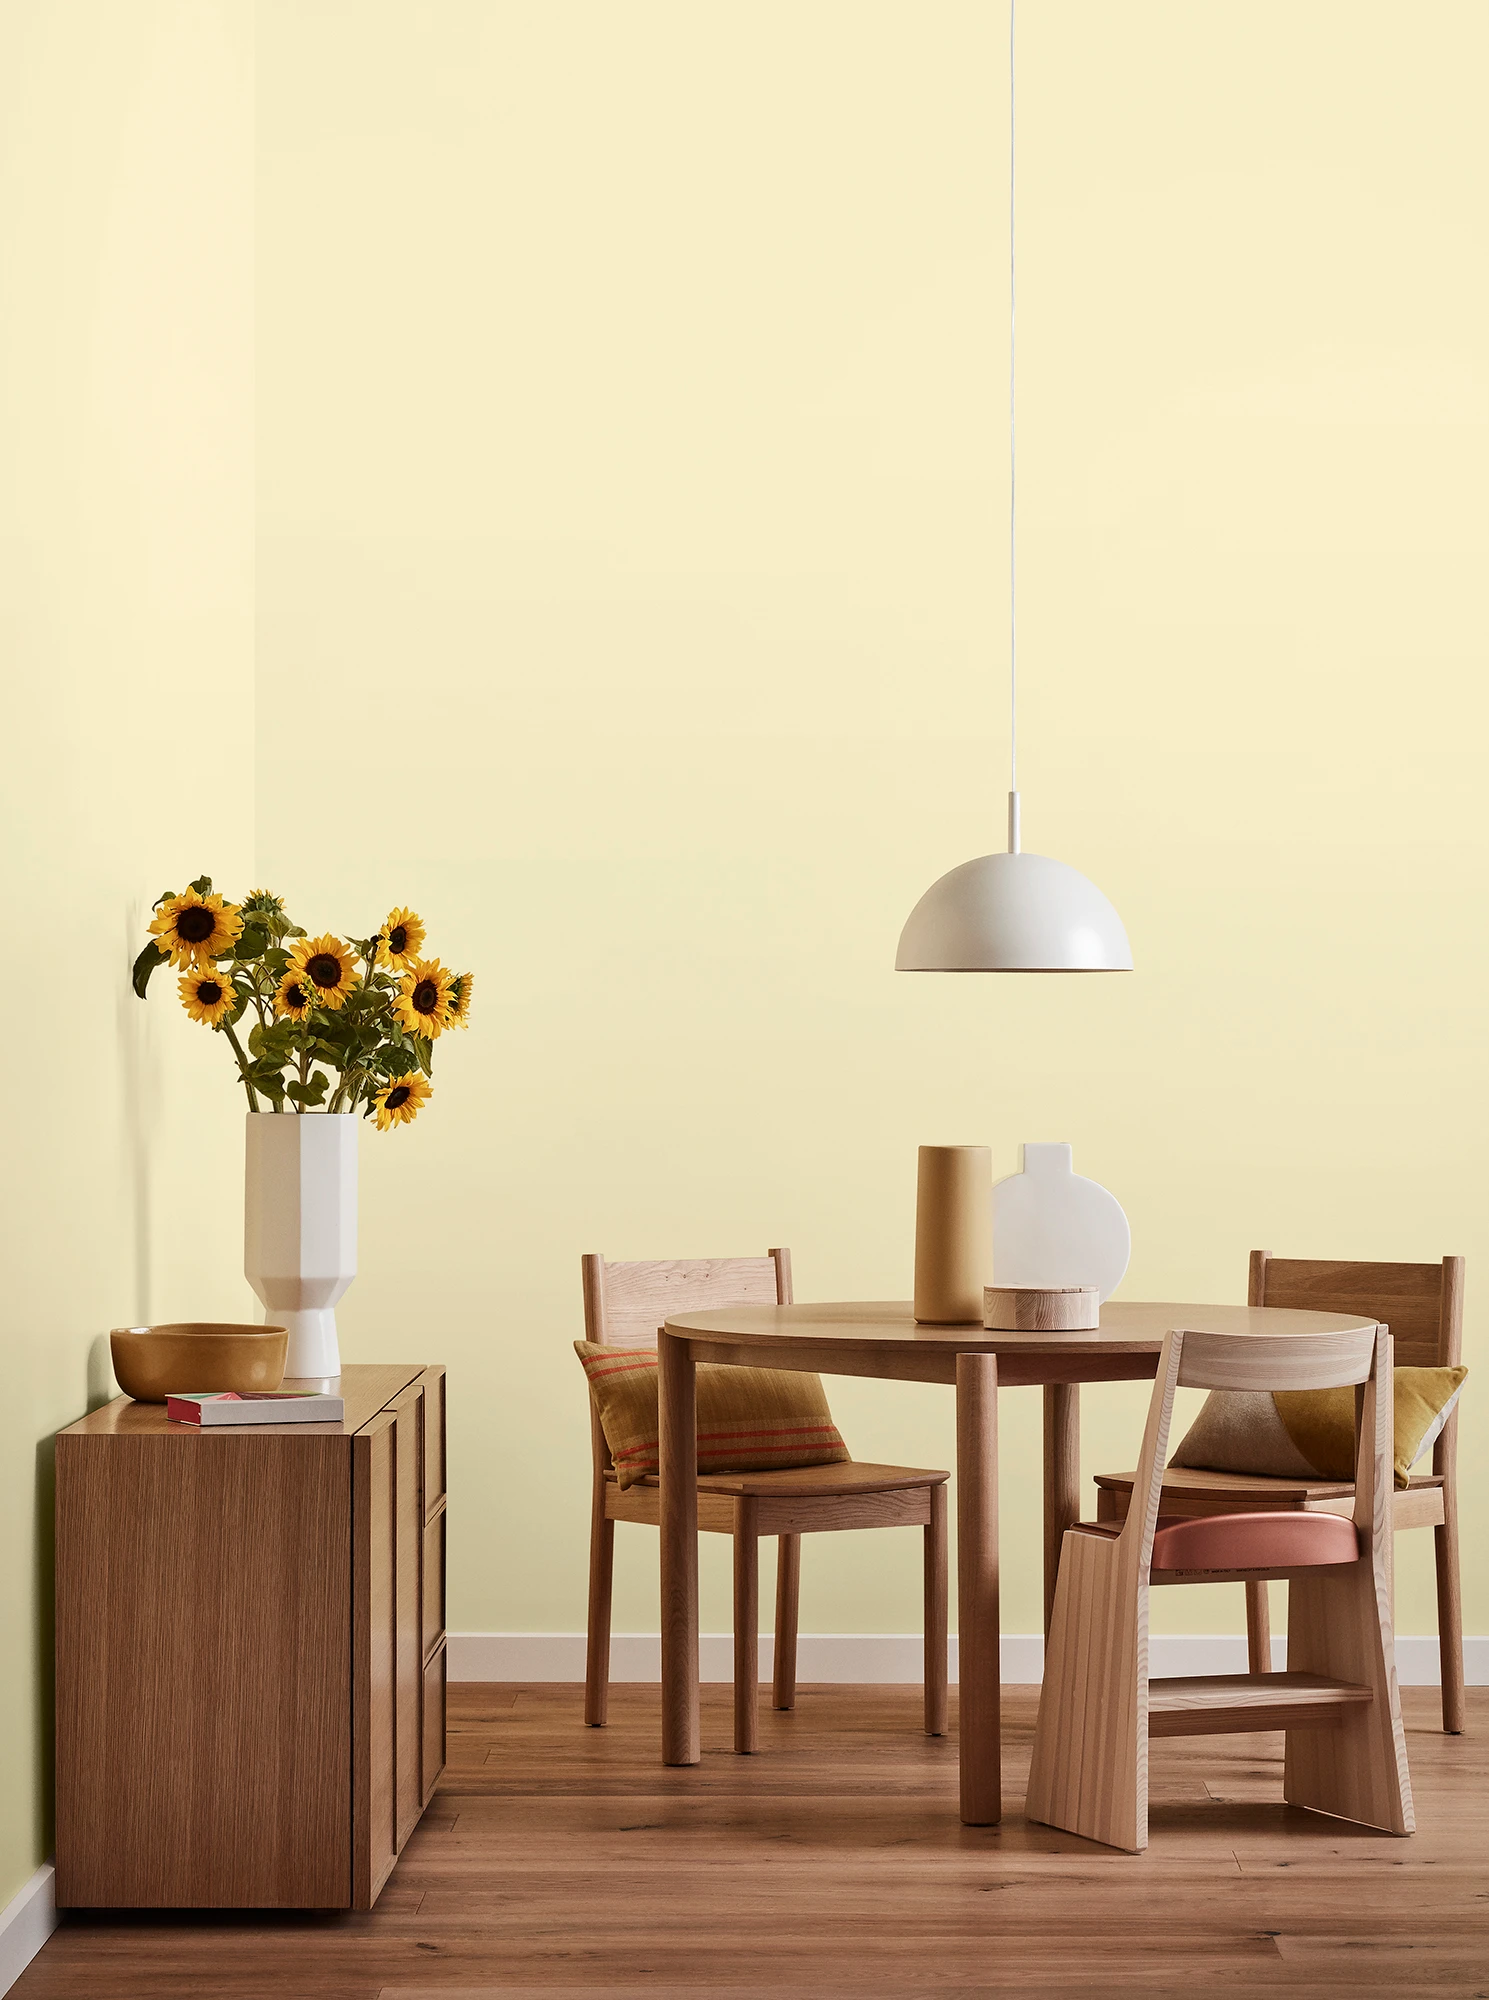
(1013, 913)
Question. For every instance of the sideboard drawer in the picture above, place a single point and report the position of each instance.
(434, 1438)
(434, 1582)
(434, 1722)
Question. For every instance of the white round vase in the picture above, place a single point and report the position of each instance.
(1052, 1228)
(300, 1227)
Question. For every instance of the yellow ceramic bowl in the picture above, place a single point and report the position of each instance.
(153, 1362)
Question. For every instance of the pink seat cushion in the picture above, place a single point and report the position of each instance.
(1255, 1541)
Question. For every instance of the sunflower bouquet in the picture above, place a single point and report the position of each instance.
(336, 1023)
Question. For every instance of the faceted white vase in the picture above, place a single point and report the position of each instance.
(300, 1227)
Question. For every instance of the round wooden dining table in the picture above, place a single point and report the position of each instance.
(885, 1341)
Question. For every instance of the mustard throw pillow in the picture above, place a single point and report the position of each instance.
(749, 1419)
(1310, 1433)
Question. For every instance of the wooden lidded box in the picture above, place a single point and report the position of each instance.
(250, 1650)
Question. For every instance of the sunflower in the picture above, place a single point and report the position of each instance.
(294, 997)
(401, 939)
(326, 966)
(207, 995)
(460, 1000)
(423, 1003)
(399, 1099)
(193, 930)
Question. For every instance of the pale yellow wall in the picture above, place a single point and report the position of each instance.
(632, 602)
(631, 599)
(126, 636)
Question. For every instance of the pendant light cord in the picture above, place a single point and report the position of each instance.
(1013, 623)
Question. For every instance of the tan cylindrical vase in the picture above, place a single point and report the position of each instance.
(953, 1234)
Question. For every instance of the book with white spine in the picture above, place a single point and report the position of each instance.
(257, 1406)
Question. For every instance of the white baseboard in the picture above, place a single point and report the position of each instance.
(884, 1657)
(26, 1922)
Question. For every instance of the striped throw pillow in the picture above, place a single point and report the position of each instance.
(749, 1419)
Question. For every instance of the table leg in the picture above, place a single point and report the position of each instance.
(1062, 1478)
(979, 1692)
(678, 1458)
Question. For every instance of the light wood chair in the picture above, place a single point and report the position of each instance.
(1338, 1700)
(624, 1305)
(1422, 1305)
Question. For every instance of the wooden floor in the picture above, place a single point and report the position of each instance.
(559, 1861)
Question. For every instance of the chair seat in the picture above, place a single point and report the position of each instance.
(1288, 1540)
(815, 1479)
(1187, 1488)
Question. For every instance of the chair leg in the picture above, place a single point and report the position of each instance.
(1450, 1613)
(597, 1643)
(746, 1624)
(1089, 1770)
(936, 1599)
(788, 1601)
(1258, 1629)
(1339, 1626)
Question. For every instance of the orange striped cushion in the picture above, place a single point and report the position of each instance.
(749, 1419)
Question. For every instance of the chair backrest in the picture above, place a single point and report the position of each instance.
(1422, 1304)
(1276, 1361)
(624, 1304)
(1259, 1362)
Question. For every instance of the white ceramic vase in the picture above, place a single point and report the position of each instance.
(1053, 1228)
(300, 1227)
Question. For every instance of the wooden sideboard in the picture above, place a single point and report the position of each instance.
(250, 1650)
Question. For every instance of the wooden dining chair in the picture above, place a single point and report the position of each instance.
(1337, 1702)
(1422, 1305)
(624, 1306)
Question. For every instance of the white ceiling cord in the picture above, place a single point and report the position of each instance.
(1013, 622)
(1013, 912)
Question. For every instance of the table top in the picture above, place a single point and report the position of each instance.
(1128, 1327)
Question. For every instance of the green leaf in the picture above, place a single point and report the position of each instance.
(312, 1092)
(397, 1062)
(145, 964)
(202, 885)
(164, 897)
(252, 943)
(426, 1055)
(256, 1040)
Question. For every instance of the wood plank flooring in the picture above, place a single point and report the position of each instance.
(557, 1862)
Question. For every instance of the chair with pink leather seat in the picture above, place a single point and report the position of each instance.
(1338, 1700)
(1423, 1306)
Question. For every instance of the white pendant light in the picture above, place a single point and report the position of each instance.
(1013, 912)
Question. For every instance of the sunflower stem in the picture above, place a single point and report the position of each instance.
(237, 1046)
